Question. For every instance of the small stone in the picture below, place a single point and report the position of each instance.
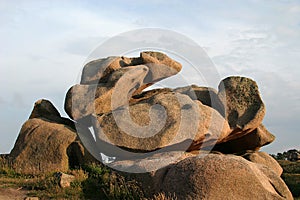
(31, 198)
(64, 180)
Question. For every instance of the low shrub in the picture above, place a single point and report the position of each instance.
(293, 183)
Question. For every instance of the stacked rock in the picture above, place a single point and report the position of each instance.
(190, 119)
(111, 99)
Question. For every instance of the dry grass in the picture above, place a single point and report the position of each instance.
(91, 182)
(162, 196)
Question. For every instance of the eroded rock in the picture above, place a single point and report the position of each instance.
(223, 177)
(207, 96)
(241, 141)
(162, 120)
(264, 159)
(98, 71)
(84, 100)
(43, 108)
(244, 108)
(48, 143)
(41, 147)
(160, 65)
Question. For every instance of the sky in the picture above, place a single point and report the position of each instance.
(44, 45)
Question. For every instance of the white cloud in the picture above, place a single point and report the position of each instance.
(44, 48)
(266, 49)
(46, 43)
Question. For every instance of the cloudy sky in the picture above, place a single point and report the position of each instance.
(45, 43)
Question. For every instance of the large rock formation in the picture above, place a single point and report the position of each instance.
(47, 143)
(42, 147)
(176, 120)
(164, 134)
(111, 92)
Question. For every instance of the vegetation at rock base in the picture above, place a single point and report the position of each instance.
(91, 182)
(291, 155)
(291, 170)
(96, 181)
(291, 176)
(103, 183)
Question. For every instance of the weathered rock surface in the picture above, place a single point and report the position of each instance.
(148, 94)
(249, 141)
(264, 159)
(205, 176)
(84, 100)
(151, 57)
(150, 171)
(160, 121)
(244, 108)
(207, 96)
(47, 143)
(79, 102)
(223, 177)
(45, 109)
(112, 81)
(152, 162)
(41, 147)
(160, 65)
(98, 71)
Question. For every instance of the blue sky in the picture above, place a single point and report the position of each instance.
(44, 45)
